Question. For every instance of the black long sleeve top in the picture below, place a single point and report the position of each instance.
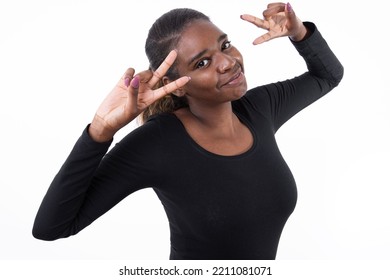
(218, 207)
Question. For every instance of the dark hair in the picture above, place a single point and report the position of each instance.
(163, 37)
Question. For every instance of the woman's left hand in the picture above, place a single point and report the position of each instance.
(280, 20)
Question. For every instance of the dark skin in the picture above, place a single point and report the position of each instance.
(212, 77)
(216, 79)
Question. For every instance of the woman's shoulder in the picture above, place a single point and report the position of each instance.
(255, 99)
(154, 130)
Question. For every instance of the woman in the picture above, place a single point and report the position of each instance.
(207, 146)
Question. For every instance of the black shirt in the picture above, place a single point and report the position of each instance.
(218, 207)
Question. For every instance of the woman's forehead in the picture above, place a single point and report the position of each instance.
(201, 28)
(199, 36)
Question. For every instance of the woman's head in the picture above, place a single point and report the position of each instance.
(204, 54)
(165, 34)
(163, 37)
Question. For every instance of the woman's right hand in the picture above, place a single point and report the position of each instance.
(131, 95)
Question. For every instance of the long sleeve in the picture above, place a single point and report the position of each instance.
(92, 181)
(280, 101)
(67, 191)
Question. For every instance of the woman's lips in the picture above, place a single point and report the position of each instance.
(236, 79)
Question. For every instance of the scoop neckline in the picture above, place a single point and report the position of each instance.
(209, 153)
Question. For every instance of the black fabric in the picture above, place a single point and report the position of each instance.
(218, 207)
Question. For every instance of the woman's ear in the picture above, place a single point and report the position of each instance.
(179, 92)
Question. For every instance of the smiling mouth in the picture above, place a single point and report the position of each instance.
(236, 78)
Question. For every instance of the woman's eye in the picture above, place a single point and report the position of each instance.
(226, 45)
(203, 63)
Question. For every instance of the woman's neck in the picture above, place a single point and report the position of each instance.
(217, 129)
(214, 118)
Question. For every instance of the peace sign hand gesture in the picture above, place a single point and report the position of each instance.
(280, 20)
(131, 95)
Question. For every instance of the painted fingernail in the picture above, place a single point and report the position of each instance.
(127, 81)
(135, 82)
(289, 8)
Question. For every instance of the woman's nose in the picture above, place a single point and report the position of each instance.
(225, 62)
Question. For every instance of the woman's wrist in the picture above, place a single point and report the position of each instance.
(100, 132)
(301, 35)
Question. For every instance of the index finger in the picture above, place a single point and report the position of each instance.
(256, 21)
(163, 68)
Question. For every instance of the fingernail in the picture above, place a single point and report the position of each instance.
(127, 81)
(135, 82)
(289, 8)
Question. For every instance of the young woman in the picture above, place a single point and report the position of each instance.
(207, 145)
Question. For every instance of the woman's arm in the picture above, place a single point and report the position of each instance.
(283, 100)
(90, 182)
(324, 73)
(59, 214)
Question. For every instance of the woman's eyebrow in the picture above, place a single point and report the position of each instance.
(199, 55)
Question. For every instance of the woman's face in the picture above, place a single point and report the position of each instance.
(214, 65)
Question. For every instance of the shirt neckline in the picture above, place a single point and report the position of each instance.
(214, 155)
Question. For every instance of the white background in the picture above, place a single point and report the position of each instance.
(58, 60)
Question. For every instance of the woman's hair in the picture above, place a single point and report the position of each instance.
(163, 37)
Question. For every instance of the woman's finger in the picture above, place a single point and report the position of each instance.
(127, 77)
(256, 21)
(140, 80)
(270, 5)
(263, 38)
(273, 10)
(163, 68)
(171, 87)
